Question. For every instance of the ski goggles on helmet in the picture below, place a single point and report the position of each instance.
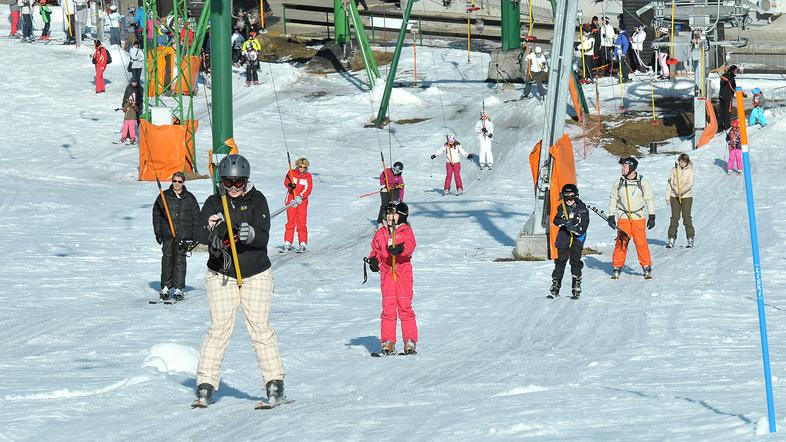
(237, 183)
(569, 196)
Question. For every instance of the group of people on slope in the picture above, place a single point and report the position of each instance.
(631, 214)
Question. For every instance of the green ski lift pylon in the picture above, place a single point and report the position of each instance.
(511, 25)
(402, 33)
(340, 23)
(365, 49)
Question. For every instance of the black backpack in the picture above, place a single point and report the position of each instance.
(108, 56)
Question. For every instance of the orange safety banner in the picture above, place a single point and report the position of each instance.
(563, 172)
(162, 151)
(190, 132)
(574, 95)
(165, 58)
(187, 76)
(534, 163)
(711, 129)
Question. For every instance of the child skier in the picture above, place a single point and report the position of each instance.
(757, 114)
(46, 18)
(391, 253)
(572, 218)
(453, 152)
(484, 130)
(252, 66)
(735, 148)
(129, 122)
(299, 186)
(391, 188)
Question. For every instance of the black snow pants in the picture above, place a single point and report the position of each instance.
(387, 197)
(563, 255)
(724, 114)
(173, 265)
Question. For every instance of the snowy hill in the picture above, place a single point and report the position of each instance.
(673, 358)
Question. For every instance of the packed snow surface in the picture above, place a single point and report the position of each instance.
(86, 357)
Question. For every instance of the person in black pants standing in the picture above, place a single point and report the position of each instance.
(184, 212)
(728, 87)
(572, 218)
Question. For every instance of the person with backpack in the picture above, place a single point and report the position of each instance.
(391, 255)
(391, 188)
(46, 18)
(101, 58)
(728, 87)
(631, 198)
(679, 196)
(453, 153)
(252, 65)
(757, 113)
(734, 143)
(572, 218)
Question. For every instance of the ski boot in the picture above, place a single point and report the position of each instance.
(690, 243)
(647, 272)
(576, 287)
(460, 192)
(388, 348)
(164, 294)
(615, 273)
(302, 247)
(275, 392)
(446, 192)
(554, 290)
(671, 243)
(178, 296)
(410, 347)
(287, 247)
(489, 166)
(204, 396)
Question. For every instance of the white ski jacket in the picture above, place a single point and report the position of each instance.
(484, 140)
(607, 36)
(637, 40)
(631, 198)
(682, 187)
(137, 58)
(453, 153)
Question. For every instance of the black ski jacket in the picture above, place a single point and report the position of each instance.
(250, 208)
(140, 99)
(184, 211)
(577, 219)
(728, 86)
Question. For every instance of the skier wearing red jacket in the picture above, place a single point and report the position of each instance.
(299, 185)
(100, 59)
(391, 252)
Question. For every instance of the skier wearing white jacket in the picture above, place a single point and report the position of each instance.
(637, 41)
(484, 130)
(453, 152)
(607, 37)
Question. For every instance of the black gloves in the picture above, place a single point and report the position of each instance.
(470, 156)
(485, 130)
(216, 237)
(651, 222)
(159, 239)
(397, 250)
(491, 135)
(433, 156)
(572, 227)
(292, 186)
(612, 222)
(373, 264)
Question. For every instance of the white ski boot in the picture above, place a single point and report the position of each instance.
(690, 243)
(671, 243)
(302, 247)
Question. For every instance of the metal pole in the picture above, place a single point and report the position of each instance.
(746, 164)
(221, 71)
(383, 107)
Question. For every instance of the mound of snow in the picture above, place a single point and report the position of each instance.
(173, 357)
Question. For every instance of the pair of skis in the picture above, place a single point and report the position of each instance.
(383, 355)
(261, 405)
(169, 301)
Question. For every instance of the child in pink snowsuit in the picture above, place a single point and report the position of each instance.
(453, 152)
(391, 252)
(735, 148)
(129, 122)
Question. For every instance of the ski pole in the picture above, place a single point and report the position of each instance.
(605, 217)
(232, 245)
(369, 194)
(281, 210)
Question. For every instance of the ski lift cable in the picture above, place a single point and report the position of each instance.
(439, 90)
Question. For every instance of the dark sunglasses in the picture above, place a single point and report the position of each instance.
(237, 182)
(177, 181)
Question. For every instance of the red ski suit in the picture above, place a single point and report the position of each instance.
(396, 293)
(297, 216)
(100, 59)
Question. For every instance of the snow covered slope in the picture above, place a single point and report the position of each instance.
(85, 356)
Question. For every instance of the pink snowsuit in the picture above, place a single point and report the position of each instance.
(735, 151)
(453, 152)
(396, 292)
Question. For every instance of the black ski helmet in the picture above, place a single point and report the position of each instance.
(633, 163)
(398, 167)
(399, 207)
(234, 166)
(570, 188)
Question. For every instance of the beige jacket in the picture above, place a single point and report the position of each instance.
(630, 200)
(682, 187)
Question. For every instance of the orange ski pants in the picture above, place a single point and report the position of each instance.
(636, 229)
